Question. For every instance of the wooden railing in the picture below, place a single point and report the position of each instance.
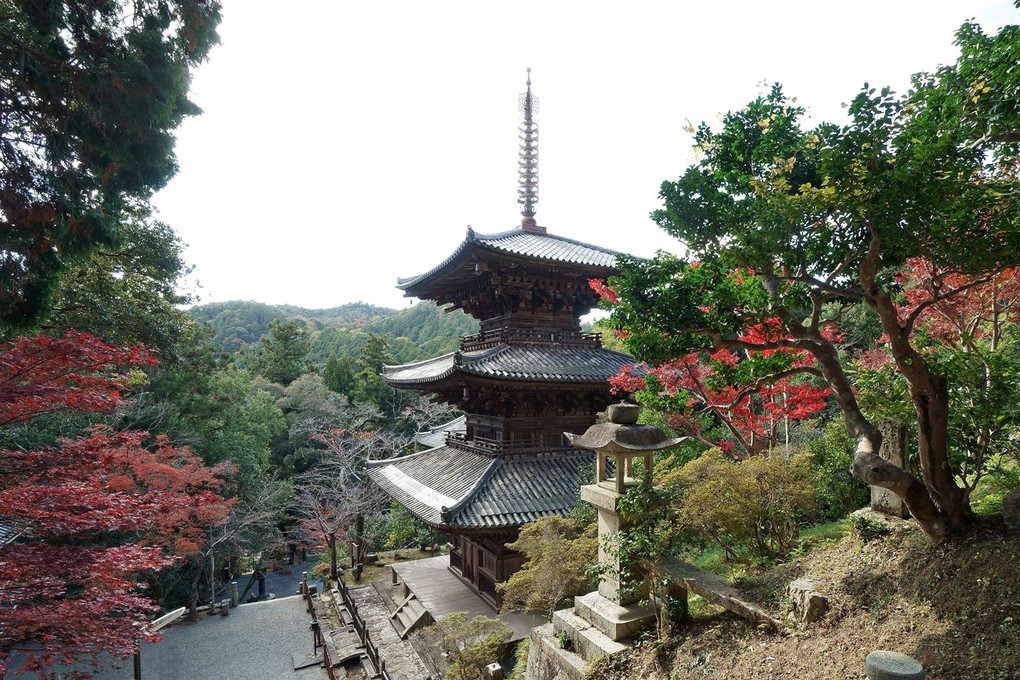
(495, 447)
(530, 336)
(361, 629)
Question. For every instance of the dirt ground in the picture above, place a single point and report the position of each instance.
(955, 607)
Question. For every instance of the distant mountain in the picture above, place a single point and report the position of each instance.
(415, 333)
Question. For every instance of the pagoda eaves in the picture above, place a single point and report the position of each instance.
(515, 272)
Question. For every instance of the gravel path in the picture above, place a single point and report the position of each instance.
(256, 642)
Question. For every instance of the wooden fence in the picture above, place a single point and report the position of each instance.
(361, 629)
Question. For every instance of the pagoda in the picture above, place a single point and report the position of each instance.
(529, 376)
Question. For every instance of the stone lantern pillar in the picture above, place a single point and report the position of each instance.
(617, 444)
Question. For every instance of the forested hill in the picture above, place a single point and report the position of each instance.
(414, 333)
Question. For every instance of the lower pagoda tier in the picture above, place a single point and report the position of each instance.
(482, 501)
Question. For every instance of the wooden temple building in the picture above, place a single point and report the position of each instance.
(527, 377)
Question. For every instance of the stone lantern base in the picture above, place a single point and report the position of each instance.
(617, 615)
(616, 621)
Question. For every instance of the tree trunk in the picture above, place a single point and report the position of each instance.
(868, 466)
(331, 541)
(359, 537)
(929, 394)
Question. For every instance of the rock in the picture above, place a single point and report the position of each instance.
(808, 602)
(884, 665)
(1011, 509)
(493, 672)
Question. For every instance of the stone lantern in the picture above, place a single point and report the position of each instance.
(612, 608)
(623, 441)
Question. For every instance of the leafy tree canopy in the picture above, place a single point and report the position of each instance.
(785, 224)
(85, 520)
(90, 95)
(127, 294)
(281, 356)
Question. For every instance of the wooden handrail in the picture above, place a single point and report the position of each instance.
(530, 336)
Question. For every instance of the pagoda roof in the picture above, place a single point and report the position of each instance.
(528, 363)
(436, 436)
(450, 488)
(547, 248)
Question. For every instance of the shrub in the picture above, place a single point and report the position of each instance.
(866, 528)
(559, 553)
(754, 505)
(520, 660)
(468, 646)
(407, 531)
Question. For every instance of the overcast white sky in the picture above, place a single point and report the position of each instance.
(347, 143)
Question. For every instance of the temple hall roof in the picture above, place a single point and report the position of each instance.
(518, 242)
(452, 488)
(534, 363)
(436, 436)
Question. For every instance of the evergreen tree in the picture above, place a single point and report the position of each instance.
(339, 373)
(369, 385)
(280, 356)
(91, 95)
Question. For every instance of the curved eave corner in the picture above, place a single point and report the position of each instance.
(421, 372)
(408, 283)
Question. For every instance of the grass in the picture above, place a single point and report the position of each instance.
(377, 571)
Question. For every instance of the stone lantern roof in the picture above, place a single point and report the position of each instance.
(623, 440)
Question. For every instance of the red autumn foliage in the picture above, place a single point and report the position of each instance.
(753, 413)
(79, 372)
(956, 309)
(84, 521)
(604, 291)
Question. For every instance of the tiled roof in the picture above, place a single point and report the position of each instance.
(534, 363)
(436, 436)
(548, 247)
(430, 370)
(457, 489)
(9, 533)
(425, 483)
(523, 490)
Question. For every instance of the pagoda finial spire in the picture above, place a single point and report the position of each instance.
(527, 165)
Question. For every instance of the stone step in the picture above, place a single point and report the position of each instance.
(587, 641)
(563, 664)
(615, 621)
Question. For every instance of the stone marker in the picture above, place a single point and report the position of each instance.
(1011, 509)
(894, 450)
(885, 665)
(808, 602)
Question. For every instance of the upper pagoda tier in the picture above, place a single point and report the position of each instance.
(521, 278)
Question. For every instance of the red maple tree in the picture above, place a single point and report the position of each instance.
(83, 522)
(753, 392)
(78, 372)
(957, 310)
